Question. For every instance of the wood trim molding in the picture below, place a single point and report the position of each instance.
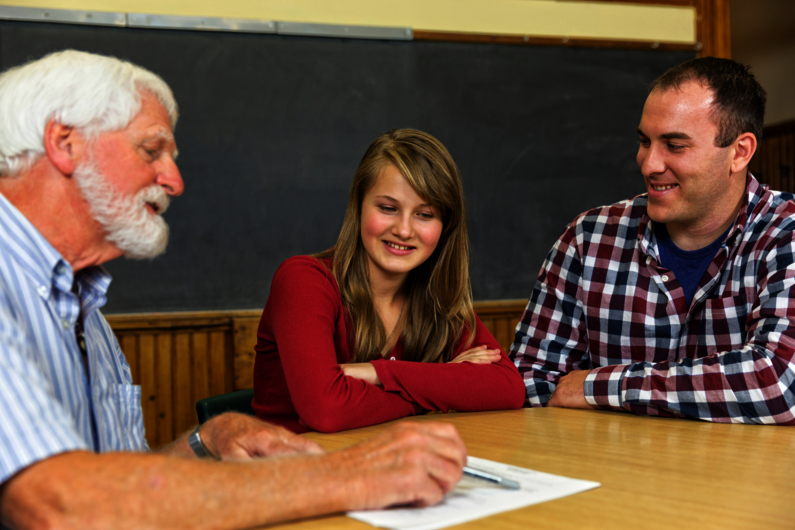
(713, 34)
(174, 321)
(713, 28)
(531, 40)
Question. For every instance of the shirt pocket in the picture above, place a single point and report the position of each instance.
(724, 324)
(129, 424)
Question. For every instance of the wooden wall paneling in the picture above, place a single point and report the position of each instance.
(488, 322)
(221, 368)
(148, 382)
(766, 162)
(777, 149)
(774, 161)
(787, 165)
(200, 369)
(245, 338)
(182, 387)
(164, 403)
(181, 358)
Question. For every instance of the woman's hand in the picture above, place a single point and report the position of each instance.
(363, 371)
(478, 355)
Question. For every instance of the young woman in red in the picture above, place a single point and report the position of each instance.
(382, 326)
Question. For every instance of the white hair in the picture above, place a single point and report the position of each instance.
(92, 93)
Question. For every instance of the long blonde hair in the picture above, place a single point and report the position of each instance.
(438, 292)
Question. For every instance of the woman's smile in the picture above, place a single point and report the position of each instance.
(400, 230)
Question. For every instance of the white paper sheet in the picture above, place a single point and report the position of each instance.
(474, 498)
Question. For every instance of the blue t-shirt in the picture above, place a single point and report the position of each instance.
(688, 266)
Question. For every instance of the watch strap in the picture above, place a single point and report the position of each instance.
(196, 443)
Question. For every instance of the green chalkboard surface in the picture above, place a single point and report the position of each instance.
(272, 128)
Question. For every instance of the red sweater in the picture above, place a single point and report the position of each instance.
(302, 340)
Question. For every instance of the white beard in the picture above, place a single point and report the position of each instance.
(128, 223)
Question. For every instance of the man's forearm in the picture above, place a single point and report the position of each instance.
(82, 490)
(406, 463)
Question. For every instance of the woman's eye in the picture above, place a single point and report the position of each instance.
(426, 215)
(644, 142)
(675, 147)
(387, 209)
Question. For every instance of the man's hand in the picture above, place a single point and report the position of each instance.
(569, 391)
(234, 436)
(409, 463)
(363, 371)
(478, 355)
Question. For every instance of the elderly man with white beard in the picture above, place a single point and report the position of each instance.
(86, 170)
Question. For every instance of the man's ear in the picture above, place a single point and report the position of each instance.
(744, 148)
(64, 146)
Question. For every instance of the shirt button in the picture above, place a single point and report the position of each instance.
(42, 291)
(665, 277)
(65, 324)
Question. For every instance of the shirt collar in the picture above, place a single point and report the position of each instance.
(44, 265)
(751, 198)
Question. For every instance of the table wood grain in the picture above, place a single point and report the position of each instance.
(655, 472)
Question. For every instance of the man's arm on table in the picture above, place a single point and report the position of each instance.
(407, 463)
(752, 384)
(551, 336)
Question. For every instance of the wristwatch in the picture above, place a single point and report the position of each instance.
(195, 442)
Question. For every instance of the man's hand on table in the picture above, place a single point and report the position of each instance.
(407, 463)
(234, 436)
(569, 392)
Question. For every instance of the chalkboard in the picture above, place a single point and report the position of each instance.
(272, 128)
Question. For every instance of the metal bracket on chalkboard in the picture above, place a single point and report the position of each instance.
(64, 16)
(143, 20)
(351, 32)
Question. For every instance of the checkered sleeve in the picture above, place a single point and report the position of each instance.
(551, 338)
(752, 384)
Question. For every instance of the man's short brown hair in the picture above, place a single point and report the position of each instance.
(739, 104)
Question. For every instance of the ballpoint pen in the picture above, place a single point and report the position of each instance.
(477, 473)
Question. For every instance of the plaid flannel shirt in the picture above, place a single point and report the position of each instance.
(604, 303)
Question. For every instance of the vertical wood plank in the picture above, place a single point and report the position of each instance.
(200, 371)
(489, 324)
(788, 160)
(219, 357)
(183, 390)
(148, 382)
(129, 347)
(504, 333)
(164, 402)
(771, 161)
(245, 339)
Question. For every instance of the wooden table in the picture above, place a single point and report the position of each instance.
(655, 472)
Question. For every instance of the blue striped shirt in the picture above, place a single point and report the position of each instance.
(47, 401)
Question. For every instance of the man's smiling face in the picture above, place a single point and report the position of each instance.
(128, 180)
(687, 176)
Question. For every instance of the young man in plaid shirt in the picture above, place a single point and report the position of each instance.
(678, 302)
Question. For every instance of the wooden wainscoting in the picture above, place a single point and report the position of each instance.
(180, 358)
(774, 161)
